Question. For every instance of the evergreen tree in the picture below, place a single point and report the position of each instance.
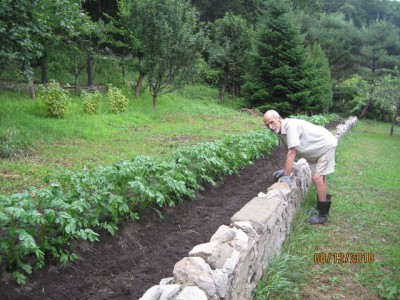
(211, 10)
(340, 40)
(280, 73)
(379, 54)
(321, 84)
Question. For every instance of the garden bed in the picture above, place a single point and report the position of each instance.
(143, 252)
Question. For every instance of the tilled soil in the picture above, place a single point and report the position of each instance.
(143, 252)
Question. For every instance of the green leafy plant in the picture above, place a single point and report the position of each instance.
(43, 221)
(117, 100)
(318, 119)
(55, 99)
(91, 102)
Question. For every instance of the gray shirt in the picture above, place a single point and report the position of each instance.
(311, 141)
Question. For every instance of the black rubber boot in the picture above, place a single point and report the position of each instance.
(323, 213)
(314, 211)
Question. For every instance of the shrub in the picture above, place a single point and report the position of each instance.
(56, 99)
(91, 102)
(117, 100)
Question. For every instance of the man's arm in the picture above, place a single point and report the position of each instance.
(291, 154)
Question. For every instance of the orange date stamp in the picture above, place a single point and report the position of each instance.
(344, 258)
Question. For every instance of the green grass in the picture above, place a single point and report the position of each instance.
(364, 218)
(36, 146)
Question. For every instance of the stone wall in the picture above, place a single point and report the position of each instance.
(233, 261)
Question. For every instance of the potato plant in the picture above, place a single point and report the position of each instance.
(41, 222)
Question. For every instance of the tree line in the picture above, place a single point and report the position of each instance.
(299, 56)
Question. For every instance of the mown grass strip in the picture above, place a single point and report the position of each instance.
(33, 145)
(364, 219)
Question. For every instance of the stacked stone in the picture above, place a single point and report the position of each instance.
(233, 261)
(341, 129)
(231, 264)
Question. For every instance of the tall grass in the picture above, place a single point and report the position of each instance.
(364, 218)
(33, 145)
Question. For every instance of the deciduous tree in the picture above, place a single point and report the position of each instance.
(231, 40)
(169, 39)
(22, 28)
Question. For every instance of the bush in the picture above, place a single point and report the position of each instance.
(117, 100)
(55, 98)
(91, 102)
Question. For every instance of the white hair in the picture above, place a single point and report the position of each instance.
(272, 113)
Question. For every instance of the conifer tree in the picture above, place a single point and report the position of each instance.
(321, 83)
(281, 72)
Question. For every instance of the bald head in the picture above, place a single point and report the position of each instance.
(273, 120)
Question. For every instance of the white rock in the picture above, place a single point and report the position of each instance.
(152, 293)
(241, 243)
(167, 280)
(221, 282)
(224, 234)
(247, 228)
(261, 195)
(203, 250)
(169, 291)
(194, 270)
(220, 254)
(231, 263)
(192, 293)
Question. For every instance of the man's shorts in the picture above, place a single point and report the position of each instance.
(325, 164)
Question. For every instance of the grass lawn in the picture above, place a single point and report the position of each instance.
(365, 216)
(39, 145)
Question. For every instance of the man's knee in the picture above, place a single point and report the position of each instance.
(317, 179)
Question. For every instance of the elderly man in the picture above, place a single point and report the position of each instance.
(313, 143)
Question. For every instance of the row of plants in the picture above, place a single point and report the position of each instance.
(40, 223)
(56, 100)
(318, 119)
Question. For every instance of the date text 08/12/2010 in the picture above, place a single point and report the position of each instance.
(343, 258)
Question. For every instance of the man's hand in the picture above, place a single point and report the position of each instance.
(278, 174)
(285, 179)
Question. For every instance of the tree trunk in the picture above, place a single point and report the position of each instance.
(154, 102)
(223, 87)
(233, 86)
(123, 65)
(76, 71)
(44, 72)
(31, 88)
(90, 70)
(139, 81)
(394, 121)
(365, 109)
